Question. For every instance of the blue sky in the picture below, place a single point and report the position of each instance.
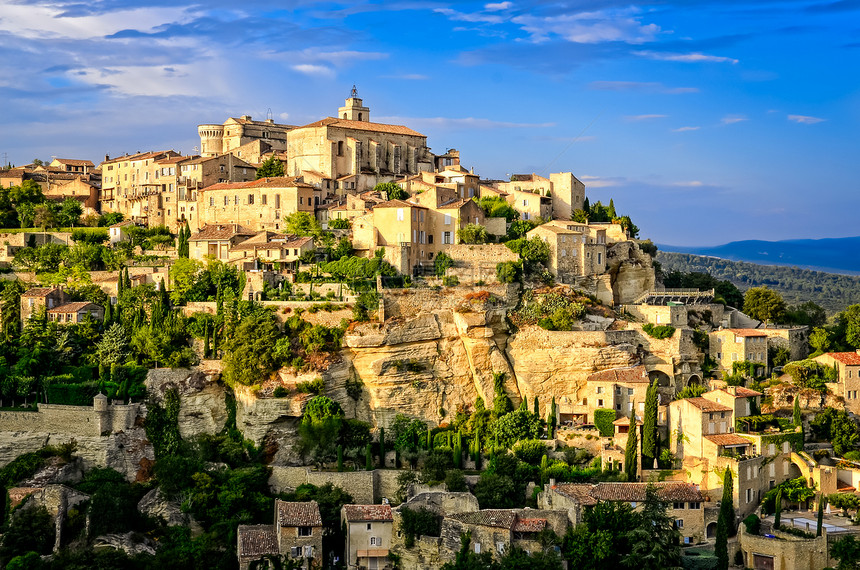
(706, 121)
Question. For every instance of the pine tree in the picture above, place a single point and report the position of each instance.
(649, 427)
(611, 210)
(631, 452)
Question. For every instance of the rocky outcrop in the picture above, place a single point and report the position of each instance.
(132, 543)
(202, 398)
(155, 504)
(632, 271)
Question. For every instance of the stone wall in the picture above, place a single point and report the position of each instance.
(478, 262)
(411, 302)
(362, 485)
(70, 420)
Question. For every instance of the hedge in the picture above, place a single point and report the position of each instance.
(603, 420)
(658, 331)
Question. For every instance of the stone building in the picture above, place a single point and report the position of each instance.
(236, 133)
(354, 152)
(574, 251)
(72, 165)
(77, 312)
(735, 345)
(686, 503)
(216, 240)
(296, 534)
(496, 530)
(270, 250)
(130, 185)
(41, 298)
(258, 204)
(198, 173)
(369, 529)
(847, 384)
(400, 229)
(613, 389)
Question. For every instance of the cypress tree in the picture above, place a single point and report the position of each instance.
(630, 453)
(429, 439)
(544, 464)
(649, 427)
(553, 412)
(382, 447)
(777, 509)
(206, 348)
(536, 407)
(458, 452)
(108, 314)
(725, 522)
(820, 514)
(611, 209)
(339, 458)
(127, 280)
(120, 286)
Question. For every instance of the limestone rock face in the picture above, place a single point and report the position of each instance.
(155, 504)
(13, 444)
(131, 543)
(632, 272)
(202, 399)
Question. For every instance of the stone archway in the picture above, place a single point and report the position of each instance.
(663, 379)
(711, 531)
(694, 380)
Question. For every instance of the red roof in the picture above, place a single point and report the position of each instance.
(529, 525)
(849, 358)
(728, 439)
(72, 307)
(257, 540)
(358, 513)
(708, 406)
(741, 392)
(632, 374)
(298, 514)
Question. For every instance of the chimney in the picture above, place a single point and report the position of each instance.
(733, 390)
(107, 157)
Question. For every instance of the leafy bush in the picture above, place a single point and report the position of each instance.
(508, 271)
(755, 423)
(531, 451)
(450, 281)
(603, 420)
(793, 491)
(658, 331)
(419, 522)
(691, 391)
(752, 524)
(366, 305)
(810, 374)
(339, 224)
(315, 386)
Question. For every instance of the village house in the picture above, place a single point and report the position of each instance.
(41, 298)
(612, 389)
(497, 530)
(685, 502)
(369, 530)
(573, 252)
(72, 165)
(296, 534)
(77, 312)
(399, 228)
(258, 204)
(197, 173)
(847, 383)
(728, 346)
(270, 250)
(216, 240)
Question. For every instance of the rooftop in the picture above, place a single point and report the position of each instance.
(363, 126)
(708, 406)
(632, 374)
(630, 492)
(257, 540)
(221, 231)
(728, 440)
(298, 514)
(39, 292)
(71, 307)
(849, 358)
(745, 332)
(274, 182)
(498, 518)
(358, 513)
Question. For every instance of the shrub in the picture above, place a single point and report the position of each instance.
(455, 481)
(418, 522)
(316, 387)
(530, 450)
(603, 420)
(280, 392)
(450, 281)
(658, 331)
(508, 271)
(752, 524)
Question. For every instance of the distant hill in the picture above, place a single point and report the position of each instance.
(833, 255)
(832, 291)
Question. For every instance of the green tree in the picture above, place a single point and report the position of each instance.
(649, 427)
(849, 321)
(473, 233)
(516, 426)
(442, 263)
(250, 357)
(796, 417)
(302, 224)
(271, 168)
(820, 521)
(777, 515)
(632, 449)
(113, 348)
(467, 559)
(43, 217)
(655, 539)
(725, 522)
(392, 191)
(70, 213)
(765, 305)
(30, 529)
(847, 551)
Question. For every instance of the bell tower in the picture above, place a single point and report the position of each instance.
(353, 110)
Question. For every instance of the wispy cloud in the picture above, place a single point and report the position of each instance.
(686, 57)
(805, 119)
(689, 184)
(496, 6)
(463, 123)
(313, 70)
(645, 86)
(601, 181)
(637, 118)
(589, 27)
(685, 129)
(732, 119)
(476, 17)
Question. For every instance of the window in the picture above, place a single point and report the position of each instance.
(373, 540)
(749, 495)
(477, 548)
(500, 547)
(446, 237)
(305, 531)
(679, 523)
(211, 201)
(309, 551)
(399, 214)
(696, 505)
(295, 551)
(340, 148)
(250, 199)
(600, 389)
(599, 403)
(369, 526)
(677, 506)
(447, 219)
(263, 198)
(629, 391)
(236, 200)
(226, 200)
(430, 239)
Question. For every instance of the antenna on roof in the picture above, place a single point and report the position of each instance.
(269, 115)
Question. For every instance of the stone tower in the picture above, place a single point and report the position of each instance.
(211, 139)
(100, 406)
(353, 110)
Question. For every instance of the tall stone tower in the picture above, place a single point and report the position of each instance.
(353, 110)
(211, 139)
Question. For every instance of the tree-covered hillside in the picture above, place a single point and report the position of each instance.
(832, 291)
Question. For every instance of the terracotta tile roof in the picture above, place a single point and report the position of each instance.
(399, 204)
(456, 205)
(708, 406)
(74, 162)
(529, 525)
(357, 513)
(629, 375)
(276, 182)
(635, 492)
(554, 229)
(741, 392)
(363, 126)
(292, 243)
(71, 307)
(298, 514)
(39, 292)
(849, 358)
(746, 332)
(728, 439)
(221, 231)
(578, 492)
(257, 540)
(625, 421)
(498, 518)
(843, 486)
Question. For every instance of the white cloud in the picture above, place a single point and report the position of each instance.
(685, 129)
(470, 17)
(590, 27)
(495, 7)
(636, 118)
(283, 116)
(313, 70)
(686, 57)
(732, 119)
(47, 21)
(198, 79)
(689, 184)
(462, 123)
(599, 182)
(805, 119)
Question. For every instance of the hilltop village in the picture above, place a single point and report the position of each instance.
(327, 346)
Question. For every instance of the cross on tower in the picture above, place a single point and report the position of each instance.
(354, 92)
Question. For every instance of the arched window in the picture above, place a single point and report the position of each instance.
(359, 116)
